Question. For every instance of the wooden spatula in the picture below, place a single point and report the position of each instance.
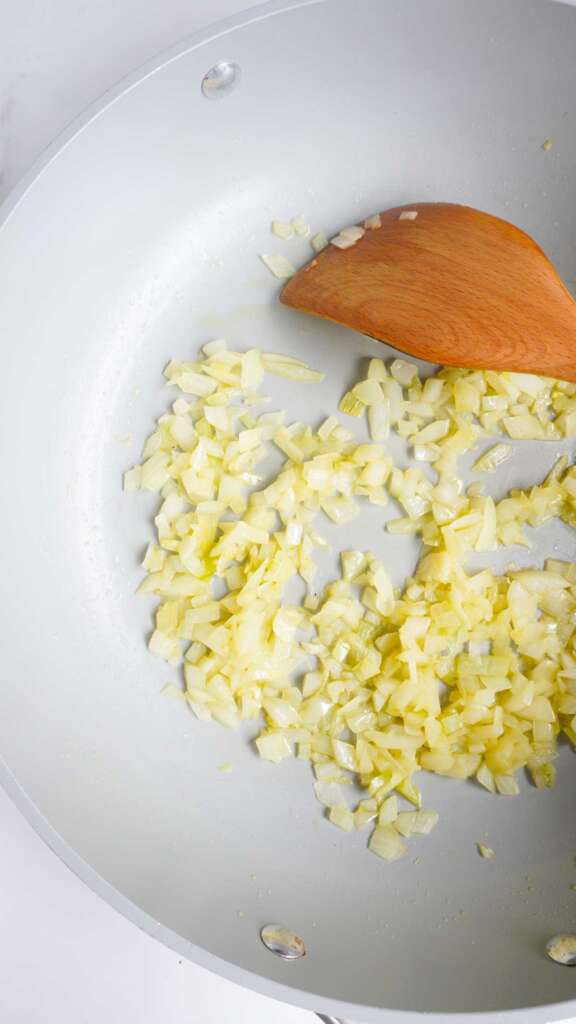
(452, 285)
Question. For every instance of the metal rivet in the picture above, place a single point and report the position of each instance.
(282, 942)
(220, 80)
(562, 950)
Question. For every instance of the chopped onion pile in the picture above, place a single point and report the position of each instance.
(462, 674)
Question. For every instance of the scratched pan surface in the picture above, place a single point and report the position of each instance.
(138, 240)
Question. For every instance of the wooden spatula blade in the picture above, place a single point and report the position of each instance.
(452, 285)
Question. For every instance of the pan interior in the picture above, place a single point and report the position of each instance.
(139, 242)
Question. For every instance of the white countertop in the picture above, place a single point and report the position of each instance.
(65, 956)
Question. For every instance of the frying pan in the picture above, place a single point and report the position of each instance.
(137, 239)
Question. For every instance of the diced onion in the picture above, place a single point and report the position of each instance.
(354, 232)
(278, 265)
(301, 226)
(385, 842)
(372, 222)
(273, 747)
(467, 674)
(283, 228)
(319, 241)
(506, 785)
(405, 822)
(343, 241)
(342, 817)
(403, 372)
(486, 851)
(388, 811)
(494, 457)
(425, 822)
(330, 794)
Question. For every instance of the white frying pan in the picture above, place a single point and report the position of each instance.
(137, 240)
